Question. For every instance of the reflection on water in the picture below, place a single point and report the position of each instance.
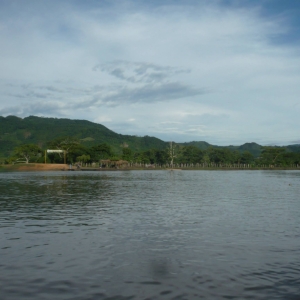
(150, 235)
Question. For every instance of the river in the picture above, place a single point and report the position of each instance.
(150, 235)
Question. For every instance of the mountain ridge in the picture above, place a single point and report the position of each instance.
(40, 130)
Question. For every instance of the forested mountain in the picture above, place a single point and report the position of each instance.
(201, 145)
(293, 148)
(253, 148)
(15, 131)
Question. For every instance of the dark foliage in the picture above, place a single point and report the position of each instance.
(90, 142)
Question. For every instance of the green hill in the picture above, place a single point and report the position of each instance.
(39, 130)
(293, 148)
(253, 148)
(15, 131)
(201, 145)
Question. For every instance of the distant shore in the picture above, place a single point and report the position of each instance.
(34, 167)
(66, 167)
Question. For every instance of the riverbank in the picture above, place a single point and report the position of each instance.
(66, 167)
(33, 167)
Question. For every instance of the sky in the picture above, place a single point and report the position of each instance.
(222, 71)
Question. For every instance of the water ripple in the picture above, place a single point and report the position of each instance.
(150, 235)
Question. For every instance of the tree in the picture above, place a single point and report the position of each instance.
(102, 151)
(172, 153)
(205, 158)
(64, 143)
(142, 157)
(83, 158)
(271, 155)
(76, 151)
(160, 156)
(247, 157)
(220, 155)
(127, 154)
(190, 155)
(28, 152)
(236, 157)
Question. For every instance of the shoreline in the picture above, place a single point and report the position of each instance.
(65, 167)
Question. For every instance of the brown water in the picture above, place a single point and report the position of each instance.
(150, 235)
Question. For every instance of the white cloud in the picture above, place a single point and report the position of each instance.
(102, 119)
(197, 71)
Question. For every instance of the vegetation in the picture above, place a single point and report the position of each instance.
(172, 156)
(28, 152)
(25, 140)
(16, 131)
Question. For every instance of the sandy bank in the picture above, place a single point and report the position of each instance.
(65, 167)
(34, 167)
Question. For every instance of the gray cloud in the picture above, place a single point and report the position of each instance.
(111, 94)
(37, 108)
(52, 89)
(37, 95)
(30, 95)
(145, 83)
(150, 93)
(255, 83)
(294, 142)
(57, 91)
(137, 72)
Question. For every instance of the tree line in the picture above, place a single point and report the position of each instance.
(174, 155)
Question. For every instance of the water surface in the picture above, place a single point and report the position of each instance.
(150, 235)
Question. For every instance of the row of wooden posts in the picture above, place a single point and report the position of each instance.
(124, 164)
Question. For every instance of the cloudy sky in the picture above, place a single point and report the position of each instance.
(221, 71)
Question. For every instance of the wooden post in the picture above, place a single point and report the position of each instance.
(65, 159)
(45, 156)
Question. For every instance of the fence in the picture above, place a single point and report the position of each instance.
(197, 166)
